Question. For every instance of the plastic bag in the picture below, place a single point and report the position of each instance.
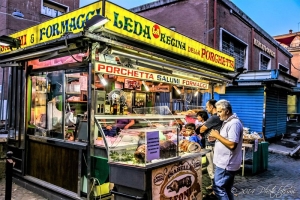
(70, 120)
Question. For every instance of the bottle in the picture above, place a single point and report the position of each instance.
(107, 106)
(121, 108)
(102, 108)
(115, 107)
(125, 110)
(98, 108)
(118, 108)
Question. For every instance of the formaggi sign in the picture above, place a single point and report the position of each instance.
(55, 28)
(134, 26)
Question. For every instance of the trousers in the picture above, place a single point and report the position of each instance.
(223, 183)
(211, 165)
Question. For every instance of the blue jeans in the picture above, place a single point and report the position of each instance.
(223, 183)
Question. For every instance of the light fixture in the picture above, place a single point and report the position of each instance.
(10, 42)
(146, 86)
(196, 93)
(18, 14)
(177, 90)
(212, 75)
(151, 66)
(95, 23)
(102, 79)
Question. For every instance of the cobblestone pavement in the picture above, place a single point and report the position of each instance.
(280, 181)
(18, 192)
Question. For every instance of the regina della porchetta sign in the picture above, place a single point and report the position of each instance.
(181, 180)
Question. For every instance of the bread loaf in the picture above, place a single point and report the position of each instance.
(188, 146)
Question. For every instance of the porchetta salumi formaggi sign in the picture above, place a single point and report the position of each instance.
(178, 181)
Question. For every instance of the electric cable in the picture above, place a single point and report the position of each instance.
(66, 35)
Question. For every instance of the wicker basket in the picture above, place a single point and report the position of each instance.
(251, 141)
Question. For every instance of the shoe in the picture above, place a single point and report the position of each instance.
(209, 187)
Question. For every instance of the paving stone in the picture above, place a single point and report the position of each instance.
(280, 181)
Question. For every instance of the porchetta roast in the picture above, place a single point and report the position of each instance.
(167, 150)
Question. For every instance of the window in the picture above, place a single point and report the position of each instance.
(234, 47)
(53, 9)
(265, 62)
(283, 68)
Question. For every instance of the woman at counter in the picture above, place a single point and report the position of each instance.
(113, 130)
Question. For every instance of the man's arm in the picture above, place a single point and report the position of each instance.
(203, 128)
(229, 144)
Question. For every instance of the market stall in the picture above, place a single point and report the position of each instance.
(75, 80)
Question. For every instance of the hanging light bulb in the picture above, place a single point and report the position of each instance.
(145, 85)
(102, 79)
(177, 90)
(196, 93)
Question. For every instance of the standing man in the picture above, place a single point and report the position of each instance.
(228, 150)
(213, 122)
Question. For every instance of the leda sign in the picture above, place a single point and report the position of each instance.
(149, 76)
(129, 24)
(55, 28)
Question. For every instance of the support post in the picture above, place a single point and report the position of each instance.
(8, 175)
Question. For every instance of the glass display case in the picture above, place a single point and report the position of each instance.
(153, 136)
(57, 99)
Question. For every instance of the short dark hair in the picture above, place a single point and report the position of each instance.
(191, 126)
(203, 115)
(212, 102)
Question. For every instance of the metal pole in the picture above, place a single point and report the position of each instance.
(2, 96)
(8, 174)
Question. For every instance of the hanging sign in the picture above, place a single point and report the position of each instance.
(149, 76)
(129, 24)
(181, 180)
(55, 28)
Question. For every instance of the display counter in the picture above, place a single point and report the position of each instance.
(150, 160)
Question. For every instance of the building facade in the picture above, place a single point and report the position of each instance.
(291, 41)
(16, 15)
(263, 67)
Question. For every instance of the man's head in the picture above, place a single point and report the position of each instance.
(224, 109)
(211, 106)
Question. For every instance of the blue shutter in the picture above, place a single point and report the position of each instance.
(276, 112)
(247, 103)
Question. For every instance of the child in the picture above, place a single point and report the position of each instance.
(192, 136)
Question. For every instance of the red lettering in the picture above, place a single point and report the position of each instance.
(117, 70)
(124, 71)
(100, 66)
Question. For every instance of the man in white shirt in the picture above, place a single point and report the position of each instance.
(228, 150)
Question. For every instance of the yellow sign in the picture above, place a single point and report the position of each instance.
(53, 29)
(134, 26)
(149, 76)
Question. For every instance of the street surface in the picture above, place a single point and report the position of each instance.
(280, 181)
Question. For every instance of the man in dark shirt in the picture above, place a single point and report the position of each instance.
(213, 122)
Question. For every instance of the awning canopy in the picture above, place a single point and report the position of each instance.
(286, 40)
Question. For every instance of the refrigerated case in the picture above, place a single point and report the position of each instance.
(144, 160)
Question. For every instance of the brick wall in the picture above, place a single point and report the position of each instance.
(195, 19)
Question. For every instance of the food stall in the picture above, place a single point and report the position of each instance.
(72, 80)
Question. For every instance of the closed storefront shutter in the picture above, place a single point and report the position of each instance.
(247, 103)
(276, 112)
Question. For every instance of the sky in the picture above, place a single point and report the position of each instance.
(276, 17)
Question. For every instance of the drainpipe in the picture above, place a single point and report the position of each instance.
(215, 24)
(276, 59)
(252, 49)
(264, 113)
